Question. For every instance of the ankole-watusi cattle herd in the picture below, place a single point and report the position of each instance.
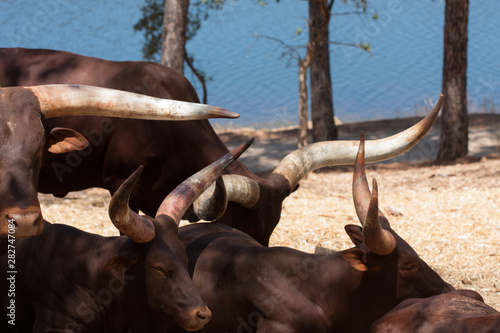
(253, 269)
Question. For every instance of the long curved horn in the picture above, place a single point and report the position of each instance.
(360, 190)
(377, 239)
(179, 200)
(58, 100)
(212, 204)
(300, 162)
(139, 228)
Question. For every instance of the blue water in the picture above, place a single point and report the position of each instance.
(250, 76)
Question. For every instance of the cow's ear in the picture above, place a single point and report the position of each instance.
(356, 258)
(355, 233)
(121, 262)
(64, 140)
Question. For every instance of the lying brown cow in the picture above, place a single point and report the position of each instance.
(170, 151)
(23, 139)
(67, 280)
(455, 311)
(252, 288)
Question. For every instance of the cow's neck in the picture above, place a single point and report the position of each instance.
(312, 284)
(349, 299)
(362, 297)
(122, 284)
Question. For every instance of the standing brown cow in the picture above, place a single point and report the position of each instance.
(24, 140)
(171, 151)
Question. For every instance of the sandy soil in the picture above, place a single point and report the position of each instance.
(450, 214)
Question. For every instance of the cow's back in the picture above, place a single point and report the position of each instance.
(60, 276)
(27, 67)
(451, 312)
(169, 150)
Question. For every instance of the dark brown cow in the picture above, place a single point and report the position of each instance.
(252, 288)
(166, 149)
(67, 280)
(456, 311)
(23, 139)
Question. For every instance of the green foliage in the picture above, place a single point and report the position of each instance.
(364, 46)
(151, 23)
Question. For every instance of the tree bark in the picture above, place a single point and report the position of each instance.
(173, 51)
(321, 84)
(454, 119)
(303, 111)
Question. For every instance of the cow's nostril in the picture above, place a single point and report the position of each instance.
(204, 314)
(12, 221)
(26, 223)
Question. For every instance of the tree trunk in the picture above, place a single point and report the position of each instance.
(454, 119)
(303, 64)
(321, 85)
(173, 50)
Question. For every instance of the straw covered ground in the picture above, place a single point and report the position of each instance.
(450, 214)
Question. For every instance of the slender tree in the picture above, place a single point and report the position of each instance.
(173, 50)
(303, 109)
(454, 120)
(316, 61)
(159, 23)
(322, 112)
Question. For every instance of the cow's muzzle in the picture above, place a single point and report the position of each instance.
(21, 223)
(199, 317)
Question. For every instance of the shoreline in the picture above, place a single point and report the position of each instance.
(272, 145)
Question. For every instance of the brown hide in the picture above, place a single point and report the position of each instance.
(169, 151)
(68, 161)
(70, 280)
(19, 206)
(249, 286)
(456, 311)
(253, 288)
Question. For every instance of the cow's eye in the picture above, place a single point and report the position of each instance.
(409, 269)
(164, 273)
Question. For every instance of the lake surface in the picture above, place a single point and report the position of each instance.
(252, 77)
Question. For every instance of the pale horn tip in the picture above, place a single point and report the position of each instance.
(374, 188)
(218, 112)
(241, 149)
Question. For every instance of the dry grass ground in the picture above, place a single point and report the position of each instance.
(449, 214)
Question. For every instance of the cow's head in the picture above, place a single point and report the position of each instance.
(255, 204)
(379, 247)
(22, 137)
(170, 290)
